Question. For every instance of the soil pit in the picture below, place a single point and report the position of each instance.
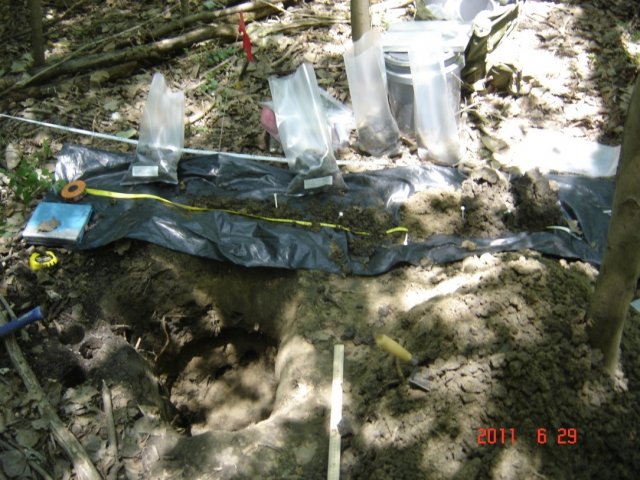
(225, 382)
(228, 370)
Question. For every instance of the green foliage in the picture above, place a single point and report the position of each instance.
(215, 58)
(30, 179)
(21, 65)
(218, 55)
(211, 5)
(211, 84)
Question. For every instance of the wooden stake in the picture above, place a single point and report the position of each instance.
(333, 471)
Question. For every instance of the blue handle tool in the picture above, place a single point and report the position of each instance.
(29, 317)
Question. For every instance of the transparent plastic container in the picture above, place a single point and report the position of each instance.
(378, 133)
(400, 87)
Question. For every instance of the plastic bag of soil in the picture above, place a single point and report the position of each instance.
(378, 132)
(161, 137)
(435, 103)
(340, 119)
(304, 132)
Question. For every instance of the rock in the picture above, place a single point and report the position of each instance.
(349, 333)
(471, 385)
(305, 452)
(469, 245)
(11, 157)
(496, 361)
(524, 266)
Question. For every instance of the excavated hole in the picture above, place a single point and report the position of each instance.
(224, 382)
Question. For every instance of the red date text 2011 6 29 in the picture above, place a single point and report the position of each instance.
(542, 436)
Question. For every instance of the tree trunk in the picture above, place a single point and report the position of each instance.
(184, 7)
(620, 269)
(360, 18)
(37, 37)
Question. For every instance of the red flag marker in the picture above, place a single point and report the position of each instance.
(246, 41)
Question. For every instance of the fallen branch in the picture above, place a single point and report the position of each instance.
(150, 52)
(188, 21)
(124, 70)
(311, 22)
(159, 50)
(82, 464)
(45, 73)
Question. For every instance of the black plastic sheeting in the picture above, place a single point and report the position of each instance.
(251, 242)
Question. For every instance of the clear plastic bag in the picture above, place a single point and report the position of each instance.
(304, 132)
(340, 119)
(436, 112)
(378, 132)
(161, 136)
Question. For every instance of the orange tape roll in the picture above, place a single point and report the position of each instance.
(73, 191)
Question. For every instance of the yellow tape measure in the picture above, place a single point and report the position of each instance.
(79, 188)
(38, 261)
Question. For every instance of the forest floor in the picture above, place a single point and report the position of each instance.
(217, 371)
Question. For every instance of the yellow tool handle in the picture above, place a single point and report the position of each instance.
(393, 347)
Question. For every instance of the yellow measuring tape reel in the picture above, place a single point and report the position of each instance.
(78, 189)
(38, 261)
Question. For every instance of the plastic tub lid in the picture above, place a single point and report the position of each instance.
(400, 37)
(401, 59)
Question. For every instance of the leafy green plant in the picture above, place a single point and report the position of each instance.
(210, 85)
(220, 55)
(30, 179)
(211, 5)
(215, 58)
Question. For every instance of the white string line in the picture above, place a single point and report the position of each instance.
(193, 151)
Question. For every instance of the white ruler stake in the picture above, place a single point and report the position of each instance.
(333, 471)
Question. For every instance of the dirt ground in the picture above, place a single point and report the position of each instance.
(223, 372)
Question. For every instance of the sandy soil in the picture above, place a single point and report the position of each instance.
(222, 372)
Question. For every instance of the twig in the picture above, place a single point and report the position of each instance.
(107, 405)
(82, 464)
(199, 116)
(167, 342)
(274, 6)
(36, 466)
(209, 72)
(111, 426)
